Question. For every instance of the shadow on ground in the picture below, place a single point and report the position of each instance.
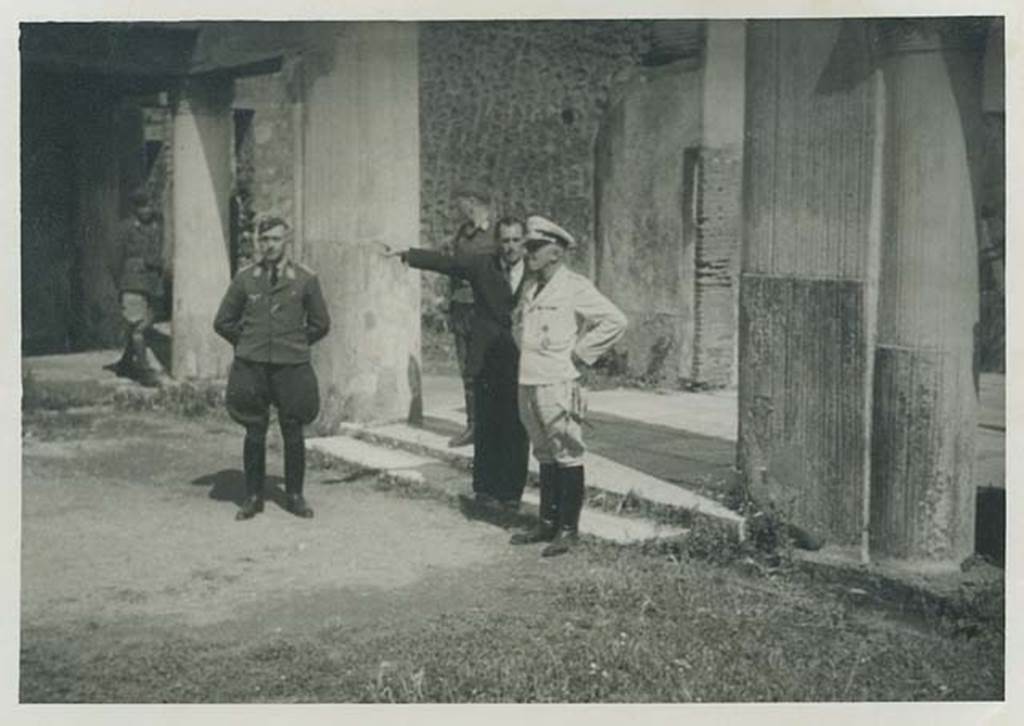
(228, 485)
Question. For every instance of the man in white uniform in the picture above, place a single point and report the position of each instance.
(561, 321)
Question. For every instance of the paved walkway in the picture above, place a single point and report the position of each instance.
(679, 437)
(690, 438)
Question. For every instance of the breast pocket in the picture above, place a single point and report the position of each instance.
(556, 326)
(288, 311)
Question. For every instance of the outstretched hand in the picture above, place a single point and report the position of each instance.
(386, 250)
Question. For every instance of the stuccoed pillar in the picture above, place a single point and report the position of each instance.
(924, 412)
(811, 189)
(361, 186)
(203, 135)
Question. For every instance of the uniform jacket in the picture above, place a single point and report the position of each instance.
(567, 318)
(273, 324)
(136, 258)
(469, 240)
(492, 350)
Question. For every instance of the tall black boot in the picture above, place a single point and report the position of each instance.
(570, 503)
(547, 527)
(254, 459)
(295, 468)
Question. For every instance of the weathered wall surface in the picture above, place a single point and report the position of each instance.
(668, 192)
(48, 236)
(513, 107)
(646, 201)
(269, 172)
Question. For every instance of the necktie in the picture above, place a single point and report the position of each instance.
(273, 275)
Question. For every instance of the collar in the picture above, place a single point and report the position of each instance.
(551, 282)
(285, 268)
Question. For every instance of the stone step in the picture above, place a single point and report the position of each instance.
(604, 476)
(417, 471)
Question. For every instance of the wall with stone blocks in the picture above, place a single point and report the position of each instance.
(265, 144)
(513, 108)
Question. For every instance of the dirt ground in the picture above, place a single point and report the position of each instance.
(138, 586)
(129, 531)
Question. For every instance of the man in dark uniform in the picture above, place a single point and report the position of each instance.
(272, 313)
(136, 264)
(501, 446)
(473, 237)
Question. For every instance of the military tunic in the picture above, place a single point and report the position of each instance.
(565, 320)
(272, 326)
(136, 259)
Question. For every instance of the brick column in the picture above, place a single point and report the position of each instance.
(718, 212)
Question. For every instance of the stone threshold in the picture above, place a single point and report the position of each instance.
(423, 474)
(610, 485)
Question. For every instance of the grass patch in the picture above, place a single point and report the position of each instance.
(58, 396)
(610, 625)
(189, 399)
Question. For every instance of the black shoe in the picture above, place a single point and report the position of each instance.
(252, 506)
(122, 368)
(507, 506)
(542, 532)
(463, 439)
(564, 541)
(297, 506)
(479, 502)
(148, 378)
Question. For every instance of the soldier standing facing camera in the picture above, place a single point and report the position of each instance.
(272, 313)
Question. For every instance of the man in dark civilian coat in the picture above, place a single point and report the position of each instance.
(272, 313)
(501, 447)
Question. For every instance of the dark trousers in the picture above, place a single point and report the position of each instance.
(501, 447)
(252, 389)
(460, 317)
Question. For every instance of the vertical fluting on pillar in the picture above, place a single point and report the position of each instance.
(361, 187)
(922, 493)
(805, 321)
(202, 185)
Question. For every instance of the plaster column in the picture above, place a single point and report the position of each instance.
(203, 138)
(810, 207)
(924, 417)
(361, 185)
